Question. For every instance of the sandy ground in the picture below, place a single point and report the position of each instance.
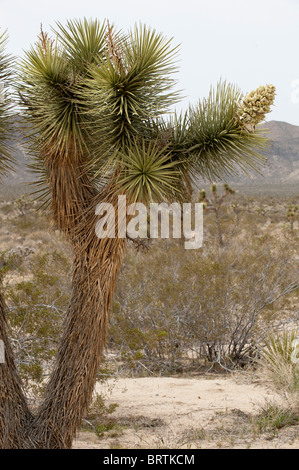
(205, 412)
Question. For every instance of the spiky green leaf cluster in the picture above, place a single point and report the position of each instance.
(89, 92)
(228, 189)
(95, 97)
(212, 140)
(279, 349)
(148, 174)
(49, 77)
(5, 106)
(129, 87)
(214, 187)
(83, 42)
(202, 195)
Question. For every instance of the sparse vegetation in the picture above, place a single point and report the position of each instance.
(184, 325)
(164, 336)
(184, 322)
(273, 417)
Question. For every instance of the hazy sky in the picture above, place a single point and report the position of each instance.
(246, 42)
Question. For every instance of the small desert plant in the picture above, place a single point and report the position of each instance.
(99, 407)
(98, 416)
(23, 205)
(273, 416)
(279, 360)
(6, 208)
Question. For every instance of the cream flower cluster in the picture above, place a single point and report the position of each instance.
(255, 106)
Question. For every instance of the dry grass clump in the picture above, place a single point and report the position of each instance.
(280, 360)
(273, 416)
(280, 365)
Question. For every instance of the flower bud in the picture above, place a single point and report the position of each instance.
(255, 106)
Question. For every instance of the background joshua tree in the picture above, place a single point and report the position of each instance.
(291, 213)
(95, 101)
(214, 204)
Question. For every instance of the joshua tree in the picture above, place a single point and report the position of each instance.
(215, 204)
(291, 212)
(95, 101)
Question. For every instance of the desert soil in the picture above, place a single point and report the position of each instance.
(211, 411)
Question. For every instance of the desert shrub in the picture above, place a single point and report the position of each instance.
(99, 419)
(24, 205)
(6, 207)
(35, 307)
(26, 216)
(176, 306)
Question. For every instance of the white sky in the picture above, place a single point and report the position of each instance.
(246, 42)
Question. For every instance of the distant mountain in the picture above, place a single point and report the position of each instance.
(282, 161)
(282, 155)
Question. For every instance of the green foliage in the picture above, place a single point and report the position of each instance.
(130, 86)
(215, 143)
(273, 417)
(89, 92)
(93, 90)
(98, 416)
(5, 106)
(148, 173)
(99, 407)
(83, 42)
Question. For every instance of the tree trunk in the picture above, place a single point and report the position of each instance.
(70, 388)
(14, 412)
(69, 391)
